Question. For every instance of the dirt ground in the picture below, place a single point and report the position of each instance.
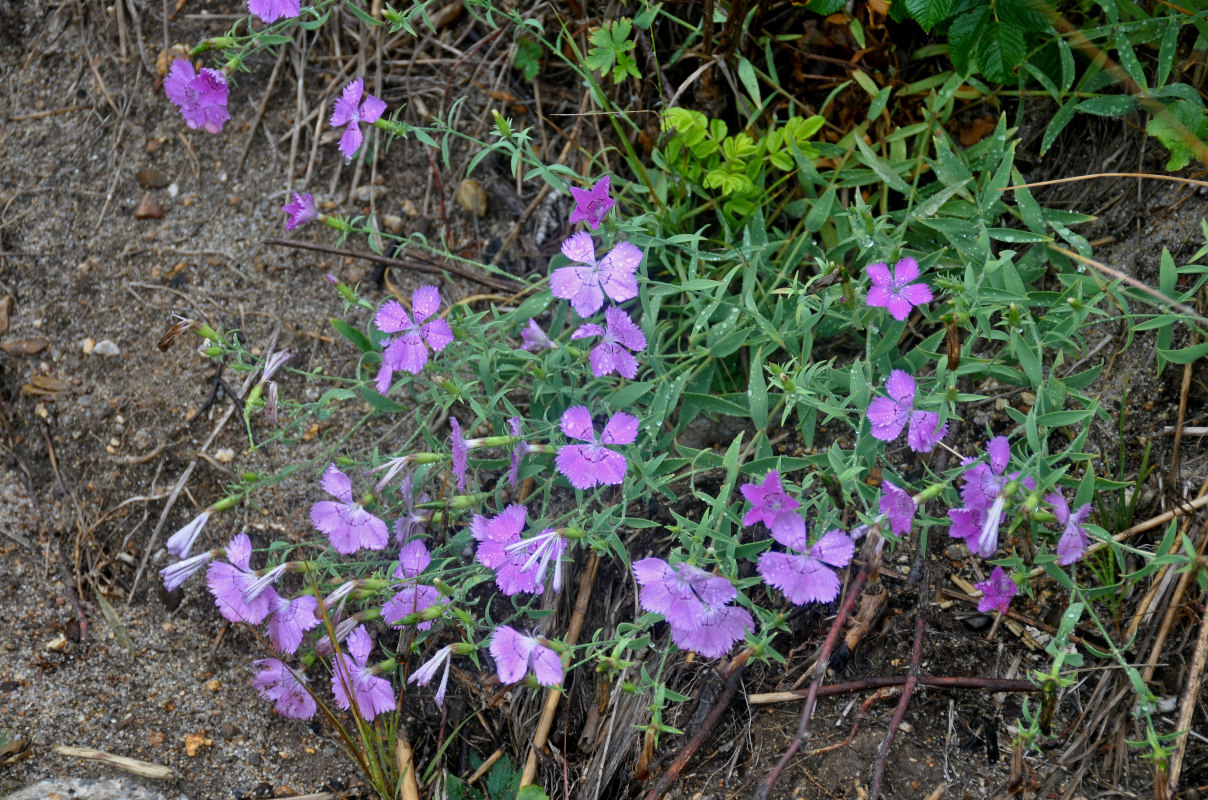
(93, 445)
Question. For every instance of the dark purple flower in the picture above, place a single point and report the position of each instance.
(347, 524)
(460, 453)
(806, 576)
(408, 352)
(412, 523)
(516, 654)
(587, 281)
(898, 507)
(889, 415)
(591, 204)
(1074, 538)
(301, 211)
(895, 289)
(588, 465)
(996, 592)
(202, 98)
(347, 112)
(269, 11)
(373, 695)
(284, 687)
(612, 354)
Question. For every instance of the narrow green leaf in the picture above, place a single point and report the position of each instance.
(358, 339)
(380, 403)
(750, 82)
(757, 392)
(1110, 105)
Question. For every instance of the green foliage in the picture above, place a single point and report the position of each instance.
(991, 39)
(527, 58)
(613, 50)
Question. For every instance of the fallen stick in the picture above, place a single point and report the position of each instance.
(941, 682)
(144, 769)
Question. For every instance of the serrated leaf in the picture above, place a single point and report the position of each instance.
(1023, 15)
(963, 35)
(1000, 50)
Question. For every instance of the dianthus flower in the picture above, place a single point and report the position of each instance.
(681, 592)
(459, 453)
(898, 507)
(612, 354)
(586, 282)
(984, 494)
(588, 465)
(895, 289)
(301, 211)
(518, 566)
(996, 592)
(269, 11)
(889, 415)
(347, 112)
(805, 576)
(714, 631)
(533, 339)
(408, 353)
(424, 675)
(412, 523)
(284, 687)
(519, 451)
(414, 596)
(516, 654)
(176, 574)
(180, 543)
(768, 500)
(228, 582)
(591, 204)
(347, 524)
(291, 620)
(1074, 538)
(373, 695)
(202, 98)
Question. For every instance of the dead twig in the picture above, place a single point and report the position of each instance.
(1187, 704)
(864, 684)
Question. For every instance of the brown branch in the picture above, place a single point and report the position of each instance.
(864, 684)
(417, 266)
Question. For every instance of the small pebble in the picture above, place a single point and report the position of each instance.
(148, 209)
(106, 348)
(225, 456)
(472, 197)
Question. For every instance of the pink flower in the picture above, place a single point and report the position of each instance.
(408, 352)
(680, 593)
(459, 453)
(180, 543)
(301, 211)
(284, 687)
(291, 620)
(533, 339)
(424, 675)
(1074, 538)
(898, 507)
(586, 282)
(889, 415)
(805, 576)
(269, 11)
(768, 500)
(414, 596)
(714, 631)
(519, 564)
(373, 695)
(612, 354)
(895, 290)
(591, 204)
(588, 465)
(176, 574)
(516, 655)
(229, 583)
(202, 98)
(996, 592)
(347, 524)
(346, 112)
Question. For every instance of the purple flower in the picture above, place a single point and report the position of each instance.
(291, 619)
(347, 113)
(516, 654)
(408, 353)
(533, 339)
(680, 593)
(414, 596)
(373, 695)
(889, 415)
(518, 452)
(620, 336)
(804, 576)
(898, 507)
(301, 211)
(586, 283)
(591, 204)
(458, 446)
(424, 675)
(180, 543)
(768, 500)
(413, 522)
(202, 99)
(714, 631)
(540, 550)
(895, 290)
(984, 483)
(518, 567)
(228, 582)
(269, 11)
(586, 465)
(1074, 538)
(347, 524)
(176, 574)
(996, 592)
(277, 682)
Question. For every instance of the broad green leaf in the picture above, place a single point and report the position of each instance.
(1000, 50)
